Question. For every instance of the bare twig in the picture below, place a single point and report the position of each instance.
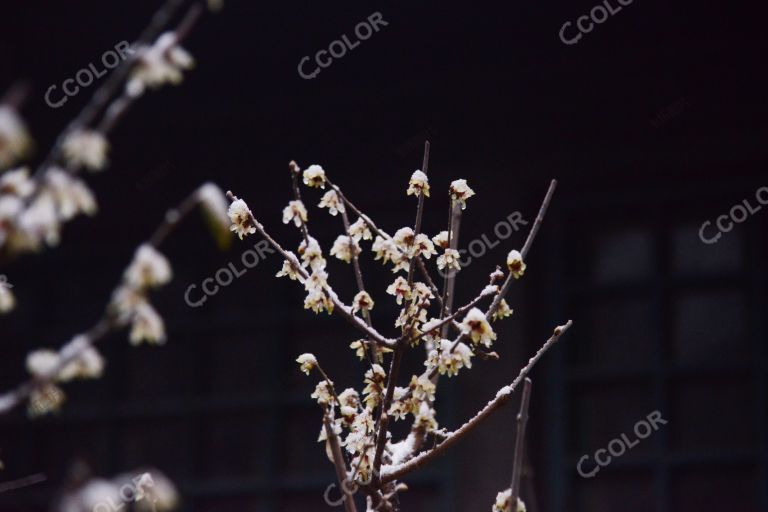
(517, 467)
(502, 397)
(454, 223)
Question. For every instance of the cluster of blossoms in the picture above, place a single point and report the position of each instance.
(129, 306)
(130, 302)
(358, 422)
(75, 360)
(163, 62)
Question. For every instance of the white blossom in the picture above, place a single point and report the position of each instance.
(331, 201)
(87, 148)
(449, 259)
(159, 64)
(42, 364)
(312, 255)
(441, 239)
(362, 302)
(423, 246)
(359, 347)
(400, 289)
(477, 327)
(385, 249)
(503, 502)
(515, 264)
(91, 496)
(296, 212)
(345, 248)
(314, 176)
(349, 397)
(147, 325)
(149, 268)
(242, 218)
(503, 311)
(17, 182)
(45, 399)
(7, 300)
(447, 361)
(318, 301)
(215, 204)
(418, 184)
(15, 142)
(37, 224)
(460, 192)
(71, 195)
(317, 281)
(404, 238)
(85, 362)
(289, 270)
(307, 362)
(323, 393)
(359, 230)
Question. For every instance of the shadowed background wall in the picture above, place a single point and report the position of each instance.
(654, 122)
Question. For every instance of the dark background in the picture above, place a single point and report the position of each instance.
(654, 122)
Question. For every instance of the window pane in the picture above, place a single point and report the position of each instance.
(710, 328)
(713, 416)
(727, 489)
(615, 334)
(623, 256)
(603, 413)
(692, 256)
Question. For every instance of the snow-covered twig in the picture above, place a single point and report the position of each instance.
(502, 397)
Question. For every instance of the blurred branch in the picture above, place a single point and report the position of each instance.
(108, 322)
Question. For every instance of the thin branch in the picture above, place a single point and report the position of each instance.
(293, 168)
(108, 322)
(526, 247)
(419, 212)
(338, 462)
(394, 370)
(447, 320)
(502, 397)
(117, 109)
(454, 223)
(339, 307)
(432, 286)
(517, 467)
(360, 283)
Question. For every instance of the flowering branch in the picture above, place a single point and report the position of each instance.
(502, 397)
(524, 252)
(342, 309)
(143, 267)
